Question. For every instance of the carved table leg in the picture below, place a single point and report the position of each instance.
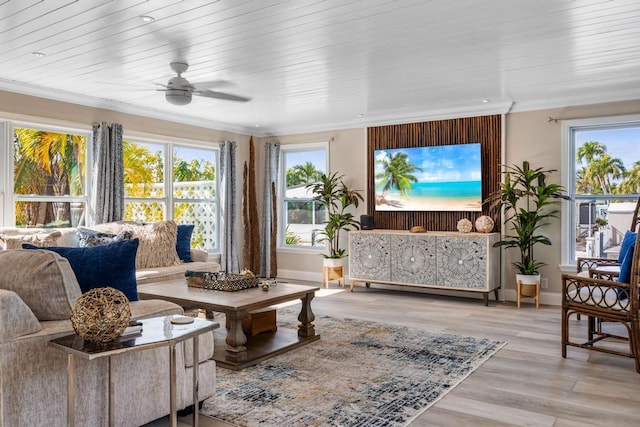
(306, 317)
(236, 351)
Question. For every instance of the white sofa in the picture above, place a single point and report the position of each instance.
(68, 237)
(37, 291)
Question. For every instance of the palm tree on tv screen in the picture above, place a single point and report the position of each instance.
(397, 173)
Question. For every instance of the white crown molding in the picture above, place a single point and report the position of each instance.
(398, 117)
(578, 100)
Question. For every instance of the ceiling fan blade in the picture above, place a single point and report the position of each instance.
(202, 86)
(222, 95)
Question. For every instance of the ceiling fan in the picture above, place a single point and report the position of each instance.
(178, 91)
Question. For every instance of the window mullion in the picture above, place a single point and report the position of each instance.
(168, 180)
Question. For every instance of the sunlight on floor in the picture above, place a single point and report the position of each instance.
(322, 292)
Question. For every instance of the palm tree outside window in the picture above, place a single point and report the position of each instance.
(50, 177)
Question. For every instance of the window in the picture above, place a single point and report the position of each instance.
(49, 179)
(302, 219)
(47, 183)
(144, 190)
(195, 191)
(189, 194)
(603, 180)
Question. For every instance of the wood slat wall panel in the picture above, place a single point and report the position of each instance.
(485, 129)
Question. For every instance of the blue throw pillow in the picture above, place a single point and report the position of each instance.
(183, 242)
(628, 240)
(625, 271)
(111, 265)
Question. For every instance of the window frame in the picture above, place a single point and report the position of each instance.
(168, 199)
(282, 211)
(168, 211)
(8, 203)
(567, 216)
(217, 201)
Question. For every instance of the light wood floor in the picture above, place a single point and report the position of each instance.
(526, 383)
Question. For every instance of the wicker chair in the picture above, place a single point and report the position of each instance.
(604, 301)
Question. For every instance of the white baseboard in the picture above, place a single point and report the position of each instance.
(311, 276)
(547, 298)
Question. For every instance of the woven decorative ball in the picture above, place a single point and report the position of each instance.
(101, 314)
(464, 225)
(484, 224)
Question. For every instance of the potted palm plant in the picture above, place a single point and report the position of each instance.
(332, 192)
(528, 202)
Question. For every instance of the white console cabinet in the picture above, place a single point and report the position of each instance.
(437, 259)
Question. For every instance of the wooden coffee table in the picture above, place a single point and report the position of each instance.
(233, 350)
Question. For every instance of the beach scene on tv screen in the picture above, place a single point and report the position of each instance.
(438, 178)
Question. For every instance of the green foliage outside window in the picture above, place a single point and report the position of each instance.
(603, 174)
(47, 164)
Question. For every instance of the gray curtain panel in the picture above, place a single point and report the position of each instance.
(229, 259)
(107, 189)
(271, 163)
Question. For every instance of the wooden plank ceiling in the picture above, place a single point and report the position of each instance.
(310, 65)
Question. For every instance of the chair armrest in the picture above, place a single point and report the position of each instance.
(587, 291)
(590, 263)
(198, 255)
(16, 318)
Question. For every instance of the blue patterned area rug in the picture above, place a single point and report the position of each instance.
(358, 374)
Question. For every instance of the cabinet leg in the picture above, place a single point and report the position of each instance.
(485, 298)
(495, 293)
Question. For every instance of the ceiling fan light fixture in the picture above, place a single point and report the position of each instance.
(177, 97)
(146, 18)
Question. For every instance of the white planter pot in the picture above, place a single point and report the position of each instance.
(527, 284)
(333, 262)
(528, 279)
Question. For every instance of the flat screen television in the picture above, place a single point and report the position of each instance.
(437, 178)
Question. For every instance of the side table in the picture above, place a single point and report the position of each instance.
(332, 273)
(156, 332)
